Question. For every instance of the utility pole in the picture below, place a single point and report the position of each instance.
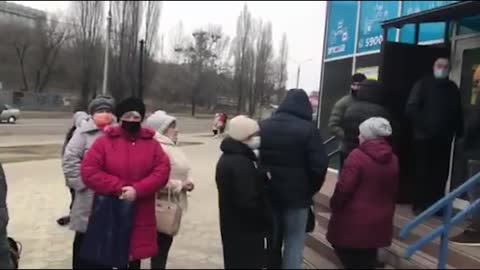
(107, 49)
(298, 76)
(140, 69)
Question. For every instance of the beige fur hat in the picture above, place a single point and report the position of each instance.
(242, 127)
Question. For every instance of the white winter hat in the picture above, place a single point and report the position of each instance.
(374, 128)
(160, 121)
(242, 127)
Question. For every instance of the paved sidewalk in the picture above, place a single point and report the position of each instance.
(37, 197)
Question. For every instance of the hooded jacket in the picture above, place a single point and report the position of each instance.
(363, 203)
(75, 150)
(292, 151)
(117, 160)
(367, 104)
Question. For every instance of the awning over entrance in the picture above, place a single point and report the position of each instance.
(455, 11)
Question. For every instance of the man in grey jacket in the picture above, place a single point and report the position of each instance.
(5, 260)
(101, 109)
(335, 122)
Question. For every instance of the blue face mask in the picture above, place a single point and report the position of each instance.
(440, 73)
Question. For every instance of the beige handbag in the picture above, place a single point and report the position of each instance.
(168, 215)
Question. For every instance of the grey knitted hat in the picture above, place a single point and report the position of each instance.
(101, 103)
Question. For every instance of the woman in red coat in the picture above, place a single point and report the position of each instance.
(128, 162)
(363, 204)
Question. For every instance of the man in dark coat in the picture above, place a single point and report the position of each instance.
(367, 104)
(245, 218)
(435, 109)
(293, 153)
(335, 123)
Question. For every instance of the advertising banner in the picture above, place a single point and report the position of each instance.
(372, 14)
(342, 18)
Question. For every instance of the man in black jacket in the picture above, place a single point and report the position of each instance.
(367, 104)
(292, 152)
(435, 110)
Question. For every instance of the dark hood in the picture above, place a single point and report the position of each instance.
(370, 91)
(379, 150)
(296, 102)
(231, 146)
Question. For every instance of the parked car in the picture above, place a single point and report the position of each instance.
(9, 114)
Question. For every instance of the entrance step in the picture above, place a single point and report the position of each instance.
(459, 257)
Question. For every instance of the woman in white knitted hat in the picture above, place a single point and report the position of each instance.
(245, 218)
(363, 203)
(180, 181)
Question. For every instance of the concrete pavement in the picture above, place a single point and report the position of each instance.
(37, 197)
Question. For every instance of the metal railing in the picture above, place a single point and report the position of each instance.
(445, 204)
(334, 152)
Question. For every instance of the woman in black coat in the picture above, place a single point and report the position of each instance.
(245, 218)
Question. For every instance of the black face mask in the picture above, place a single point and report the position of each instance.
(131, 127)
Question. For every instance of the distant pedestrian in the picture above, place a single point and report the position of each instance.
(292, 152)
(101, 116)
(129, 163)
(78, 119)
(335, 123)
(245, 216)
(436, 113)
(363, 204)
(180, 180)
(218, 124)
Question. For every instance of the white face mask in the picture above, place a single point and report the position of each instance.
(254, 142)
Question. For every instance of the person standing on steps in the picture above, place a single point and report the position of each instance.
(363, 203)
(180, 180)
(435, 110)
(471, 235)
(293, 154)
(78, 119)
(100, 110)
(335, 123)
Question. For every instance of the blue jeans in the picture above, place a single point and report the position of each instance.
(289, 238)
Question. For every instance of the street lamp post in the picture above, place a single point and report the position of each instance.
(298, 69)
(107, 50)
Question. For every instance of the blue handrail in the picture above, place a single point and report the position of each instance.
(446, 203)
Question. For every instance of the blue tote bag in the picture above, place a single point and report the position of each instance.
(107, 239)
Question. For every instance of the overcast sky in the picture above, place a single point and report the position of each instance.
(303, 21)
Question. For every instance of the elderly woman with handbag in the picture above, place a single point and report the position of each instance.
(125, 168)
(172, 199)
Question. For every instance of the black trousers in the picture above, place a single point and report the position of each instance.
(432, 159)
(79, 263)
(353, 258)
(72, 195)
(164, 242)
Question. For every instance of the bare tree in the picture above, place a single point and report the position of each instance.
(22, 42)
(153, 11)
(127, 20)
(88, 20)
(263, 62)
(282, 63)
(241, 45)
(52, 38)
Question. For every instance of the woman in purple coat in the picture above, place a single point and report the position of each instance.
(363, 204)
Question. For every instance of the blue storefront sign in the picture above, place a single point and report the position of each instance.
(341, 28)
(372, 14)
(428, 31)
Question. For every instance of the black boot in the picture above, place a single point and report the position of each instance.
(63, 221)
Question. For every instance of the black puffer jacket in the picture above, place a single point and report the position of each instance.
(435, 109)
(243, 201)
(292, 151)
(366, 105)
